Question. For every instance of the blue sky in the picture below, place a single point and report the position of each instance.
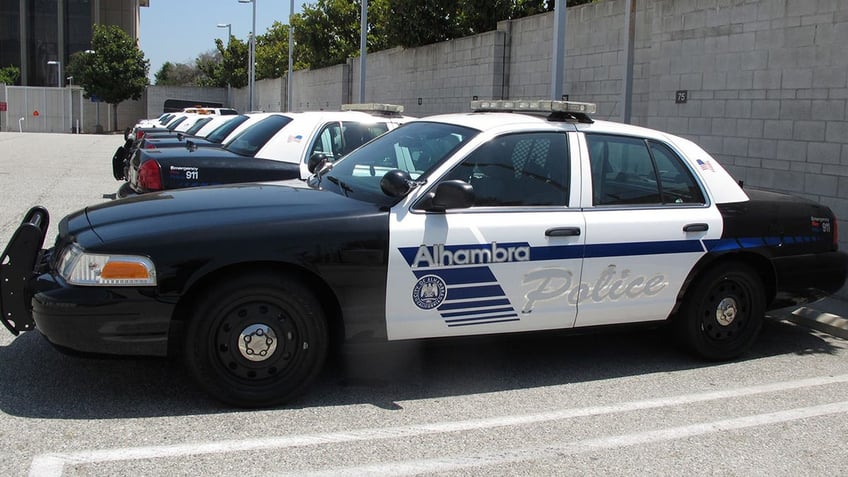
(179, 30)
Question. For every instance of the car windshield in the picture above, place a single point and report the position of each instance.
(221, 132)
(415, 148)
(251, 140)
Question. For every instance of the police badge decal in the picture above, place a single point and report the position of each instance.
(429, 292)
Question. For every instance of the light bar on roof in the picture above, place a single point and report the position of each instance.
(373, 107)
(533, 106)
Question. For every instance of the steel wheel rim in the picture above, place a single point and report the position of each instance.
(246, 319)
(726, 311)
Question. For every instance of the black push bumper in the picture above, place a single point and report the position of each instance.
(18, 268)
(103, 320)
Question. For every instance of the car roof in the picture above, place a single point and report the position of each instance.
(497, 121)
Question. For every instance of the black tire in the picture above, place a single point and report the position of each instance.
(722, 313)
(256, 340)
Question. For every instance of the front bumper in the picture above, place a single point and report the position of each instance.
(118, 321)
(103, 320)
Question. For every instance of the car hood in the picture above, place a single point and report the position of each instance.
(206, 211)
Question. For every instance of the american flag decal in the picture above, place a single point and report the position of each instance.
(705, 165)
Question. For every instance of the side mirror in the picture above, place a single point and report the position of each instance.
(191, 146)
(316, 162)
(454, 194)
(396, 183)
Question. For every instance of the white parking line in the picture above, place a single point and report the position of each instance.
(53, 464)
(562, 449)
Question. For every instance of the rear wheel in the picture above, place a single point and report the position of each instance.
(258, 340)
(722, 312)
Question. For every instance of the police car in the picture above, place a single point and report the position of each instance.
(275, 146)
(492, 221)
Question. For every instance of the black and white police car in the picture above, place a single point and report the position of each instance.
(460, 224)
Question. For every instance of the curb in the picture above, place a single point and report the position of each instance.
(816, 318)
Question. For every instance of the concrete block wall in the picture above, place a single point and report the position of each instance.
(767, 82)
(155, 97)
(441, 77)
(326, 88)
(269, 95)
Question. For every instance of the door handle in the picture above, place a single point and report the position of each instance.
(696, 228)
(563, 232)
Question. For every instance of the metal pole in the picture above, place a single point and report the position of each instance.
(71, 101)
(629, 40)
(251, 54)
(253, 60)
(363, 39)
(289, 97)
(558, 57)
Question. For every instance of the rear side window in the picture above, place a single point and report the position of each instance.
(221, 132)
(252, 139)
(197, 126)
(338, 139)
(635, 171)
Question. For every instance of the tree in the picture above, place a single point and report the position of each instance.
(9, 74)
(421, 22)
(327, 33)
(272, 52)
(224, 65)
(114, 71)
(178, 74)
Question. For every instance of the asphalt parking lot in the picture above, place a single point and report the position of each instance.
(625, 402)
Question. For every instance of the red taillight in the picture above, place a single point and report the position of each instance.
(835, 233)
(149, 145)
(149, 177)
(139, 134)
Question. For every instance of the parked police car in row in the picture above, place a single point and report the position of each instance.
(276, 147)
(460, 224)
(222, 129)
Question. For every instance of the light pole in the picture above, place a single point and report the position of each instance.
(291, 60)
(97, 127)
(229, 27)
(71, 101)
(58, 71)
(251, 70)
(59, 83)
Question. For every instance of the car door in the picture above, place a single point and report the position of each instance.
(509, 262)
(644, 230)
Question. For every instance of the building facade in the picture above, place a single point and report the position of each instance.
(39, 36)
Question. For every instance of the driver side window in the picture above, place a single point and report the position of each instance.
(525, 169)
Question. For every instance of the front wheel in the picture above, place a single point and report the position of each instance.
(722, 312)
(257, 340)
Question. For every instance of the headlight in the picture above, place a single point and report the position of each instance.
(78, 267)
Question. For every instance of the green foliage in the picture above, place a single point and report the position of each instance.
(421, 22)
(116, 71)
(181, 74)
(10, 74)
(272, 52)
(226, 65)
(327, 33)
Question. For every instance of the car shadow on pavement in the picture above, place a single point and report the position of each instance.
(38, 381)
